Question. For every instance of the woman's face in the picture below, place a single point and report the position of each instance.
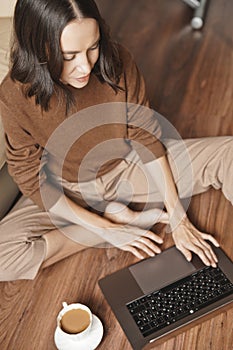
(80, 49)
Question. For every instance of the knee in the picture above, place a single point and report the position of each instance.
(9, 261)
(227, 155)
(17, 270)
(20, 260)
(7, 271)
(228, 142)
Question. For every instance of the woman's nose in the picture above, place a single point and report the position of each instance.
(83, 64)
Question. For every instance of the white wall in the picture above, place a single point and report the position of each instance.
(7, 8)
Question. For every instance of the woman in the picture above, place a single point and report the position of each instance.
(71, 105)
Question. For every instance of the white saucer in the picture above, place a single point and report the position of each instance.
(89, 342)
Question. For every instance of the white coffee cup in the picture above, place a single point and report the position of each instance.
(65, 334)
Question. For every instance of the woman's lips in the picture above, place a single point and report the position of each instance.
(83, 79)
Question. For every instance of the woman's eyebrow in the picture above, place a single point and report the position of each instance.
(74, 52)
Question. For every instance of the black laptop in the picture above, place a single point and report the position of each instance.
(158, 296)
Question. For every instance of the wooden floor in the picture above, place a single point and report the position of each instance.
(189, 77)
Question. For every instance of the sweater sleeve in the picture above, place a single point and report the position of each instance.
(26, 159)
(144, 131)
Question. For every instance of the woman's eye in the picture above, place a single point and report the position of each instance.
(95, 46)
(68, 57)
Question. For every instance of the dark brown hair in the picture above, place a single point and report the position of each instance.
(36, 57)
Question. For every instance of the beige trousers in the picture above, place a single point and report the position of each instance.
(197, 165)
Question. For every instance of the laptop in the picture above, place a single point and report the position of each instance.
(157, 297)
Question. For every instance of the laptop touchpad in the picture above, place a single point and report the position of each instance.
(154, 273)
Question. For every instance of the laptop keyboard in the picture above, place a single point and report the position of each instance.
(161, 308)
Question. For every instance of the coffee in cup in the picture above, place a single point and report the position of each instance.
(75, 321)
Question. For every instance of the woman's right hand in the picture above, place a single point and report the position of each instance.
(133, 239)
(129, 230)
(122, 235)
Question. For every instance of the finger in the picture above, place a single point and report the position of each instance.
(185, 252)
(209, 252)
(202, 249)
(133, 250)
(143, 247)
(153, 237)
(199, 248)
(147, 242)
(210, 238)
(212, 257)
(201, 253)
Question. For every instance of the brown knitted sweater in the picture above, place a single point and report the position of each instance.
(101, 129)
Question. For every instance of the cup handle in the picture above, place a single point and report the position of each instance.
(64, 304)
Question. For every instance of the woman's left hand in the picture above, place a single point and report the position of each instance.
(189, 239)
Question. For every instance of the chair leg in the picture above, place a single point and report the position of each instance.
(199, 7)
(193, 3)
(199, 13)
